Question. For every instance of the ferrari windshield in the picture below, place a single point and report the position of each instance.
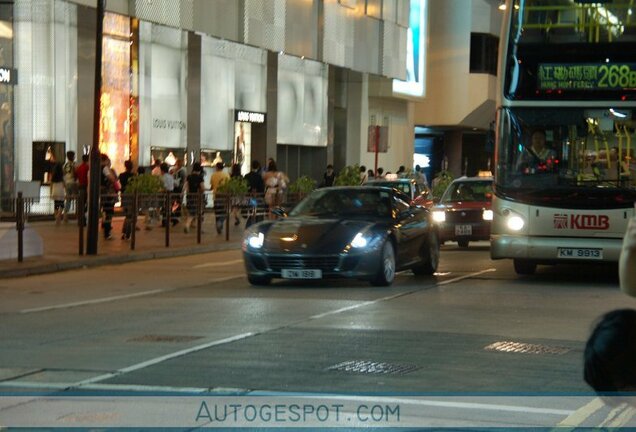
(404, 187)
(553, 153)
(345, 202)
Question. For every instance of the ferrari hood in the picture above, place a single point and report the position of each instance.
(312, 235)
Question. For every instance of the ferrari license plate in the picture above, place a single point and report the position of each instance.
(301, 274)
(580, 253)
(463, 230)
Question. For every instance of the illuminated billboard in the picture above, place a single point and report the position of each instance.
(415, 52)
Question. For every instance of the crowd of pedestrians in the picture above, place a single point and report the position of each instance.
(267, 187)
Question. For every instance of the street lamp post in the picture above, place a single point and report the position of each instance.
(95, 163)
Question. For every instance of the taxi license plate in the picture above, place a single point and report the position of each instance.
(579, 253)
(301, 274)
(463, 230)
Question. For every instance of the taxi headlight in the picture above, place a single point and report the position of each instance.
(487, 215)
(254, 240)
(439, 216)
(515, 222)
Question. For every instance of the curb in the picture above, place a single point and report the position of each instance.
(98, 261)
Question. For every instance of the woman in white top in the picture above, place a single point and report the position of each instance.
(275, 185)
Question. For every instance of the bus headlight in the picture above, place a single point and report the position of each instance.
(439, 216)
(487, 215)
(515, 223)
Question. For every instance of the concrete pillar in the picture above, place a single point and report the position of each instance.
(357, 115)
(193, 85)
(272, 110)
(453, 151)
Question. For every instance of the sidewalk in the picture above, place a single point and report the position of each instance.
(61, 246)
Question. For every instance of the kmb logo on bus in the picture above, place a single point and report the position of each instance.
(582, 222)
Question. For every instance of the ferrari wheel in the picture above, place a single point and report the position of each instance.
(429, 256)
(386, 273)
(259, 280)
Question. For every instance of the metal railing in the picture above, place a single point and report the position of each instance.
(160, 209)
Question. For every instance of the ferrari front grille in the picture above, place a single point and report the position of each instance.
(324, 263)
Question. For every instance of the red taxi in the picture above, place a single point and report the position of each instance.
(463, 214)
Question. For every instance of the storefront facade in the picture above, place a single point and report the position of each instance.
(180, 83)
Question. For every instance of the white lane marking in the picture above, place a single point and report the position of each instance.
(469, 275)
(217, 264)
(88, 302)
(241, 336)
(116, 298)
(466, 405)
(391, 297)
(163, 358)
(36, 385)
(334, 397)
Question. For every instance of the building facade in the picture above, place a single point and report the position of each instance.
(201, 80)
(304, 82)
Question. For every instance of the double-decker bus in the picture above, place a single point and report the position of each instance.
(565, 171)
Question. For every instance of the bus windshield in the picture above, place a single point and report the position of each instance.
(567, 156)
(571, 50)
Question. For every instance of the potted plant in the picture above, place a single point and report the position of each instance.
(348, 176)
(440, 183)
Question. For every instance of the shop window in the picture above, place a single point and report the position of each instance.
(483, 53)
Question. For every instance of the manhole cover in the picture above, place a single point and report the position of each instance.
(164, 338)
(374, 368)
(525, 348)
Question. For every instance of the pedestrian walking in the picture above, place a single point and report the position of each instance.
(126, 200)
(57, 188)
(109, 186)
(218, 178)
(329, 177)
(193, 187)
(275, 186)
(82, 182)
(70, 183)
(236, 201)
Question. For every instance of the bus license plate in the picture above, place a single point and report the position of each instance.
(301, 274)
(463, 230)
(579, 253)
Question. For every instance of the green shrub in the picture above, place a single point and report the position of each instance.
(348, 176)
(441, 182)
(303, 185)
(144, 184)
(235, 186)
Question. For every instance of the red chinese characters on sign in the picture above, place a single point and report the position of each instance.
(581, 222)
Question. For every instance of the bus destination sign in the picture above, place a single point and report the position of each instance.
(587, 76)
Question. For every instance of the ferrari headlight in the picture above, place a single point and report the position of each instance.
(255, 240)
(359, 241)
(439, 216)
(487, 215)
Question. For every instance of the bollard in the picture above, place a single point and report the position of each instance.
(199, 216)
(19, 225)
(79, 211)
(227, 217)
(167, 216)
(135, 212)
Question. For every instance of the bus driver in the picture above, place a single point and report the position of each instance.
(536, 157)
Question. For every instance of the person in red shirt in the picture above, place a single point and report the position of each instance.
(81, 173)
